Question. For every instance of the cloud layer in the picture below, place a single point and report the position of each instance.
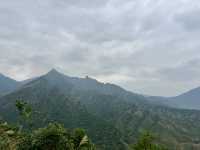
(149, 46)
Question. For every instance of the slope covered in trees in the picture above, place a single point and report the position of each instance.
(112, 116)
(54, 136)
(51, 105)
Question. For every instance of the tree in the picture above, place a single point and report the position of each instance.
(25, 112)
(81, 140)
(146, 142)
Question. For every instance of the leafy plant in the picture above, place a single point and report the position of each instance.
(81, 140)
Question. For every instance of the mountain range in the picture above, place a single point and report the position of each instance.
(187, 100)
(112, 116)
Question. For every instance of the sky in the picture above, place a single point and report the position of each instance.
(146, 46)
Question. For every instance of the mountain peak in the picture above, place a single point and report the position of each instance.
(53, 73)
(1, 75)
(53, 70)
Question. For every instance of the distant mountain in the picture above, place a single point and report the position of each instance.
(7, 84)
(112, 116)
(187, 100)
(23, 82)
(85, 84)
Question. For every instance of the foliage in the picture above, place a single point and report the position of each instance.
(81, 140)
(55, 137)
(8, 136)
(146, 142)
(52, 137)
(24, 109)
(25, 112)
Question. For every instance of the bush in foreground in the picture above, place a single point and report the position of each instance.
(55, 137)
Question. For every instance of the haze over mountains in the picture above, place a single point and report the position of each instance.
(7, 84)
(112, 116)
(187, 100)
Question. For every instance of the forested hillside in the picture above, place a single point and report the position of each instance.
(112, 117)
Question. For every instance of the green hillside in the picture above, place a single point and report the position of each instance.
(113, 120)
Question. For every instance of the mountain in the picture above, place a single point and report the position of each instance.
(112, 116)
(187, 100)
(49, 95)
(7, 84)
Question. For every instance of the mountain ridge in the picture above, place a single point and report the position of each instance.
(187, 100)
(87, 103)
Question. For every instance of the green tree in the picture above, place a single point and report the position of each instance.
(146, 142)
(25, 112)
(52, 137)
(81, 140)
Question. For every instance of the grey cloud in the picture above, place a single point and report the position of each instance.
(144, 46)
(184, 72)
(190, 19)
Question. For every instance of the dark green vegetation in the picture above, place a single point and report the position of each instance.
(56, 137)
(52, 137)
(146, 142)
(112, 117)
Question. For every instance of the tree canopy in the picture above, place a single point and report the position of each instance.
(147, 142)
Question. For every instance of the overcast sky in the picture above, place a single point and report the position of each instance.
(146, 46)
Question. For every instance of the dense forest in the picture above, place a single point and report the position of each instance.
(54, 136)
